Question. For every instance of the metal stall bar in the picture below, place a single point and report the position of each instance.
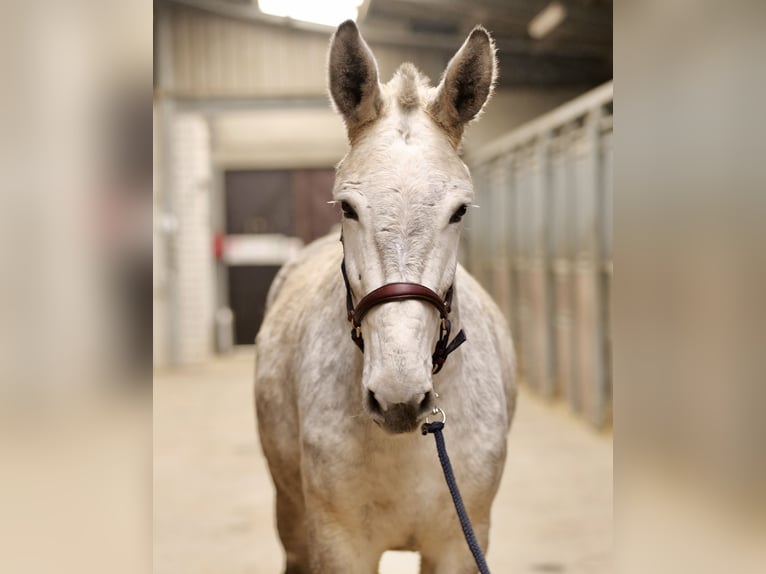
(513, 232)
(500, 237)
(606, 202)
(520, 264)
(560, 266)
(539, 272)
(588, 356)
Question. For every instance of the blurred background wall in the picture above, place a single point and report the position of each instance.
(246, 141)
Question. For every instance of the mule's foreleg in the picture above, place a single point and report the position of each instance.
(292, 532)
(449, 553)
(334, 547)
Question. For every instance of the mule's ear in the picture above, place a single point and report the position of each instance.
(466, 85)
(353, 77)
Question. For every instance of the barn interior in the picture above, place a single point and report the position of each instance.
(245, 144)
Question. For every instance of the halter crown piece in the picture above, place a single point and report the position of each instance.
(399, 292)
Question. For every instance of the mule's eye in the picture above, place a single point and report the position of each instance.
(348, 211)
(458, 215)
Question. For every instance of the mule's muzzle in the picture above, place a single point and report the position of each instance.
(399, 417)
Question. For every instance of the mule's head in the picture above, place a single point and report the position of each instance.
(403, 190)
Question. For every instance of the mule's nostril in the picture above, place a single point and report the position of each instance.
(373, 404)
(427, 403)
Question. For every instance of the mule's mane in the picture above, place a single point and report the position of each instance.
(408, 86)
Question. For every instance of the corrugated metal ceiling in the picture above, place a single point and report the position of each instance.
(577, 52)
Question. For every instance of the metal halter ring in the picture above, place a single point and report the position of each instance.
(436, 411)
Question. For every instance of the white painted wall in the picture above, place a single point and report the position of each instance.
(286, 138)
(315, 137)
(192, 256)
(510, 108)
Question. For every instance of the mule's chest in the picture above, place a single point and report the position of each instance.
(400, 492)
(390, 487)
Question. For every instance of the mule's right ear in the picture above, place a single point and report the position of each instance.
(353, 77)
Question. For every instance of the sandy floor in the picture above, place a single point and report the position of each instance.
(213, 496)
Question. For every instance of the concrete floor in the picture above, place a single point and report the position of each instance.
(213, 500)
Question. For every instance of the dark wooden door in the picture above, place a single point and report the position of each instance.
(259, 202)
(248, 287)
(287, 202)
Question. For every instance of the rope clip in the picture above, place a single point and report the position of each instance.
(429, 427)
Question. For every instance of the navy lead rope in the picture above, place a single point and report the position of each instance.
(436, 428)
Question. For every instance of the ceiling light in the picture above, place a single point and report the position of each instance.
(327, 12)
(550, 17)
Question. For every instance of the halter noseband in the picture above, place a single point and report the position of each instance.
(399, 292)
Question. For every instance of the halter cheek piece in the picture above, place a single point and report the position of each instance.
(399, 292)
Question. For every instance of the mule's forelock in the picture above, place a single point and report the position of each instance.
(466, 85)
(407, 84)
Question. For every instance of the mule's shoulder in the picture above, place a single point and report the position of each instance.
(297, 300)
(304, 284)
(475, 295)
(479, 313)
(322, 251)
(477, 305)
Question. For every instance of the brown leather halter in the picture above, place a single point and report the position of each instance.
(399, 292)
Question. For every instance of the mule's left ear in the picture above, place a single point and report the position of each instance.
(466, 85)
